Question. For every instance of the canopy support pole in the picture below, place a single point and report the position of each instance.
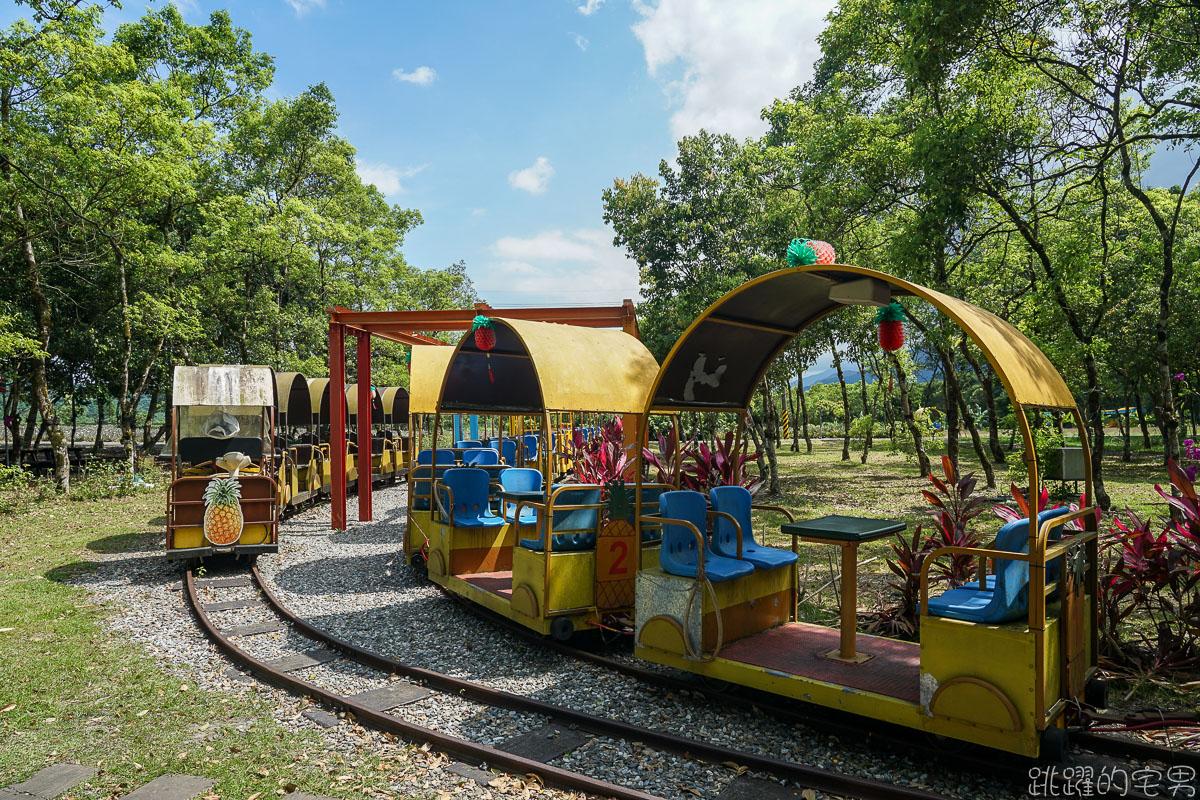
(337, 425)
(366, 413)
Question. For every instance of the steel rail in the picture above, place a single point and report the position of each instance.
(810, 777)
(1110, 746)
(461, 748)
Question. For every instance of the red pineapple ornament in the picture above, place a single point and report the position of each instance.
(485, 336)
(890, 320)
(485, 339)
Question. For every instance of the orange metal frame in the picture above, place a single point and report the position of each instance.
(411, 327)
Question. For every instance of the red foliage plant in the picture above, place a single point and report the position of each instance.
(702, 466)
(601, 459)
(954, 508)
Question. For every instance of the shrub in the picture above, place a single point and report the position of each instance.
(902, 618)
(20, 489)
(954, 507)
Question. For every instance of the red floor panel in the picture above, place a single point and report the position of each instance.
(797, 648)
(498, 583)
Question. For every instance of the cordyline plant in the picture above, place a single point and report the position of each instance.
(719, 463)
(1043, 502)
(601, 459)
(954, 507)
(901, 619)
(667, 461)
(1151, 575)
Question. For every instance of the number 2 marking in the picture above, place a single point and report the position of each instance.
(623, 548)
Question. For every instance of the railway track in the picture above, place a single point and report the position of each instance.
(805, 777)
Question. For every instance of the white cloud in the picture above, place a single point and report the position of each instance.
(722, 63)
(565, 266)
(590, 7)
(534, 178)
(302, 7)
(421, 76)
(186, 7)
(580, 41)
(384, 177)
(479, 212)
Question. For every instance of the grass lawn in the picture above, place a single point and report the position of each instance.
(72, 690)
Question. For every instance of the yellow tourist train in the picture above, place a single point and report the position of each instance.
(252, 445)
(1001, 662)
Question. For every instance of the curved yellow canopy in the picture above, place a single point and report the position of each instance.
(544, 366)
(352, 404)
(318, 392)
(292, 397)
(721, 357)
(425, 373)
(395, 404)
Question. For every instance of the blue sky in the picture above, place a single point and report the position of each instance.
(502, 122)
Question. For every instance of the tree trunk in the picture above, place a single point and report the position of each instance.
(1126, 455)
(151, 410)
(795, 418)
(909, 420)
(769, 423)
(867, 412)
(983, 373)
(976, 441)
(98, 443)
(1141, 415)
(803, 408)
(1096, 421)
(837, 363)
(764, 473)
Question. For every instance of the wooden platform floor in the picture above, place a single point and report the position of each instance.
(498, 583)
(798, 648)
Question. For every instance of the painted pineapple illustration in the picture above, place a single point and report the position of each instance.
(616, 550)
(222, 502)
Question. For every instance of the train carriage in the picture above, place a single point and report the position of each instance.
(319, 394)
(426, 370)
(223, 496)
(385, 455)
(508, 537)
(300, 460)
(1000, 662)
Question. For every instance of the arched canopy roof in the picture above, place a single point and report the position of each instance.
(293, 402)
(544, 366)
(352, 404)
(720, 359)
(395, 404)
(318, 392)
(425, 373)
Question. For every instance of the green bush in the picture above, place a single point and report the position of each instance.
(111, 479)
(903, 442)
(20, 489)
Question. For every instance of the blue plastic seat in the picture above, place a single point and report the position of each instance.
(465, 443)
(508, 451)
(1053, 569)
(735, 501)
(531, 447)
(573, 529)
(1008, 599)
(481, 457)
(519, 479)
(443, 457)
(469, 491)
(421, 485)
(680, 554)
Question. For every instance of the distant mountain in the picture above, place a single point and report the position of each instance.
(827, 374)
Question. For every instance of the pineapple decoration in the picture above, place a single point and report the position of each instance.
(223, 519)
(616, 550)
(810, 251)
(485, 339)
(890, 320)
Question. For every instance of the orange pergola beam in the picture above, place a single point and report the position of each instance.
(410, 327)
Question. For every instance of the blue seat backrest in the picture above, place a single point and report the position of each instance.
(481, 456)
(531, 446)
(734, 501)
(422, 489)
(465, 443)
(575, 529)
(470, 488)
(679, 551)
(443, 457)
(520, 479)
(1010, 599)
(651, 531)
(508, 451)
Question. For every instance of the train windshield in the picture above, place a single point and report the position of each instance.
(220, 422)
